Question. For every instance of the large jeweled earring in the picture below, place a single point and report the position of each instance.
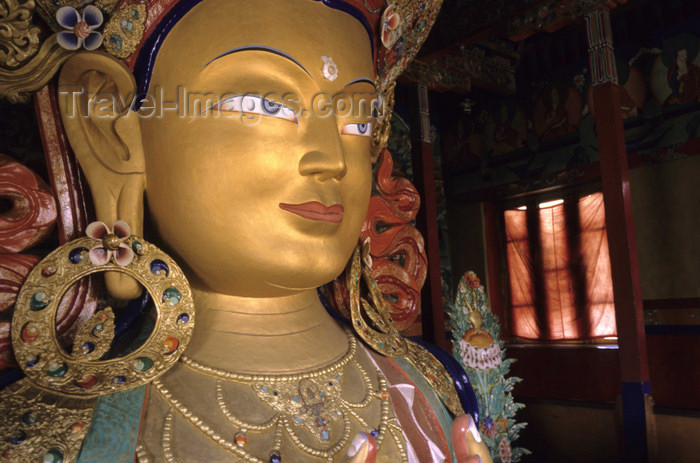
(81, 373)
(371, 322)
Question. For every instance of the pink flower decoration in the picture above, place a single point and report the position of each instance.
(505, 451)
(391, 21)
(112, 243)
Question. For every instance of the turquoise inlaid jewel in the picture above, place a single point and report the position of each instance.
(325, 435)
(143, 363)
(76, 255)
(172, 296)
(38, 301)
(264, 388)
(380, 344)
(137, 247)
(97, 330)
(30, 417)
(297, 419)
(116, 41)
(57, 369)
(53, 456)
(296, 398)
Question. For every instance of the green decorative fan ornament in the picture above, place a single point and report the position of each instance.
(476, 341)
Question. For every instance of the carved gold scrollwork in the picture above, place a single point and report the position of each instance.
(17, 85)
(19, 39)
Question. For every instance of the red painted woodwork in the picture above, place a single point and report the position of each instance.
(673, 367)
(494, 277)
(432, 313)
(621, 237)
(33, 213)
(568, 373)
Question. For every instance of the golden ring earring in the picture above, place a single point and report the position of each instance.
(81, 373)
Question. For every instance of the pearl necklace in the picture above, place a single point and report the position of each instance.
(309, 400)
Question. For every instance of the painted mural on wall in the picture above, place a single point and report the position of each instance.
(545, 134)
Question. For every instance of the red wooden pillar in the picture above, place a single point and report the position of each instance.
(432, 313)
(636, 389)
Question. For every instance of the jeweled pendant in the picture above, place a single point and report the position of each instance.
(240, 439)
(275, 457)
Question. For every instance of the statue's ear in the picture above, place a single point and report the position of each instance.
(95, 94)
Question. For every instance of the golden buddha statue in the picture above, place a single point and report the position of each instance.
(257, 183)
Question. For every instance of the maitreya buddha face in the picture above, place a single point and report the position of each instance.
(261, 196)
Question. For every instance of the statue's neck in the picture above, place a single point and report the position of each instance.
(276, 335)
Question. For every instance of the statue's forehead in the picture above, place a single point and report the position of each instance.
(264, 37)
(204, 29)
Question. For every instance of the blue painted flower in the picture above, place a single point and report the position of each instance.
(82, 28)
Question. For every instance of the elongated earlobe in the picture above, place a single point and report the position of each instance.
(95, 92)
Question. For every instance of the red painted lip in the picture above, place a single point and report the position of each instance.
(316, 211)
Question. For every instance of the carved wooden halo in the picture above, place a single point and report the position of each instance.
(49, 367)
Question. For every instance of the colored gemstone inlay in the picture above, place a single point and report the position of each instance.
(76, 427)
(325, 435)
(170, 345)
(275, 457)
(87, 347)
(183, 318)
(374, 433)
(97, 330)
(87, 381)
(30, 418)
(17, 438)
(119, 379)
(158, 267)
(53, 456)
(57, 369)
(39, 301)
(76, 255)
(137, 247)
(47, 271)
(7, 454)
(240, 440)
(172, 296)
(143, 364)
(30, 333)
(32, 361)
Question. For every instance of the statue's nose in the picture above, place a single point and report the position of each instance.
(325, 158)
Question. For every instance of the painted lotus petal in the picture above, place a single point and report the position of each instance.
(67, 16)
(97, 230)
(99, 255)
(122, 229)
(93, 41)
(92, 16)
(68, 40)
(123, 255)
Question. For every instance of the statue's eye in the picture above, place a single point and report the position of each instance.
(363, 130)
(252, 104)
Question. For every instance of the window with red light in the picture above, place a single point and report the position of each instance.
(559, 271)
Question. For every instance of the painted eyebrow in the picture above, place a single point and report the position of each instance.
(263, 48)
(362, 79)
